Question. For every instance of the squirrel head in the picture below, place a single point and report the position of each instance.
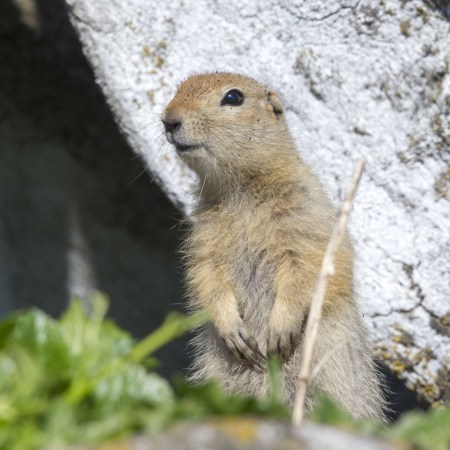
(225, 122)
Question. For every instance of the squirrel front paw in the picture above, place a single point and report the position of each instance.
(285, 331)
(244, 346)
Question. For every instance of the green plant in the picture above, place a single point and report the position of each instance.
(81, 379)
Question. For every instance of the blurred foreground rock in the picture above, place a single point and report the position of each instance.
(251, 434)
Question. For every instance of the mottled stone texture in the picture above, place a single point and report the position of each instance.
(359, 78)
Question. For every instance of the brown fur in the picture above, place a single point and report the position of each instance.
(258, 237)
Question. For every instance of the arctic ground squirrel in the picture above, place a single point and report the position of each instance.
(258, 236)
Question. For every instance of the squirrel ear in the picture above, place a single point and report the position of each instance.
(274, 103)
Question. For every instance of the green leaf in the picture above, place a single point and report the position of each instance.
(6, 328)
(429, 430)
(175, 325)
(327, 412)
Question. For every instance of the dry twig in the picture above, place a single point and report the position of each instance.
(315, 313)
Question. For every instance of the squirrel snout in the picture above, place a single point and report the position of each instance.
(171, 125)
(171, 119)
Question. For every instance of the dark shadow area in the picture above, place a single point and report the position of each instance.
(443, 6)
(70, 185)
(399, 398)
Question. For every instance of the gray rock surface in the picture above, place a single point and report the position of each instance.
(253, 434)
(359, 78)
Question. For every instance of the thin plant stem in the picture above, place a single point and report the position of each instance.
(315, 313)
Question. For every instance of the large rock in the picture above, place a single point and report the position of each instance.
(358, 78)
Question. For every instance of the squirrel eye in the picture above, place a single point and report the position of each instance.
(233, 98)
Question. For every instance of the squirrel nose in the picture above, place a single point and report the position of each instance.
(171, 125)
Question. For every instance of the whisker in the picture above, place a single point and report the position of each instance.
(201, 190)
(138, 176)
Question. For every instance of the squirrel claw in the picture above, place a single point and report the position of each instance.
(281, 344)
(245, 348)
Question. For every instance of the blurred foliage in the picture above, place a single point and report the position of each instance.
(424, 430)
(427, 430)
(81, 379)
